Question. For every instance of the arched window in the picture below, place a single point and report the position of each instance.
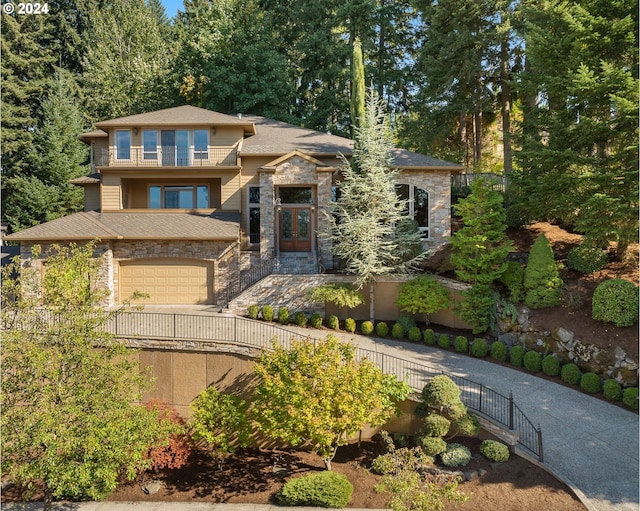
(417, 204)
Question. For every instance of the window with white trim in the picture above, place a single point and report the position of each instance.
(417, 201)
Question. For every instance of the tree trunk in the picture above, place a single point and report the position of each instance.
(371, 301)
(327, 463)
(505, 99)
(477, 146)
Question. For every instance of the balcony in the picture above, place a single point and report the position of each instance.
(172, 157)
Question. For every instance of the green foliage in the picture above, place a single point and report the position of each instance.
(630, 397)
(442, 395)
(532, 361)
(494, 451)
(467, 425)
(220, 422)
(499, 351)
(342, 295)
(423, 295)
(429, 337)
(333, 322)
(382, 329)
(616, 301)
(516, 355)
(477, 306)
(543, 285)
(367, 328)
(300, 319)
(283, 315)
(590, 382)
(612, 390)
(415, 335)
(397, 331)
(267, 312)
(461, 344)
(570, 373)
(316, 320)
(407, 321)
(358, 84)
(551, 365)
(479, 348)
(586, 258)
(435, 425)
(513, 278)
(253, 311)
(433, 445)
(175, 453)
(350, 325)
(456, 455)
(321, 395)
(444, 341)
(321, 489)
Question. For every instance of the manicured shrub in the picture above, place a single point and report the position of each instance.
(433, 445)
(407, 321)
(516, 356)
(321, 489)
(442, 394)
(494, 451)
(367, 327)
(333, 322)
(467, 425)
(551, 365)
(176, 452)
(590, 382)
(429, 337)
(267, 312)
(315, 320)
(300, 318)
(284, 315)
(630, 397)
(513, 278)
(542, 284)
(570, 373)
(444, 341)
(456, 455)
(435, 425)
(350, 325)
(415, 335)
(499, 351)
(532, 361)
(397, 331)
(586, 259)
(253, 311)
(461, 344)
(612, 390)
(479, 348)
(382, 329)
(615, 301)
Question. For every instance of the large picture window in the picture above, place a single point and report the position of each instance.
(417, 201)
(123, 145)
(179, 197)
(150, 145)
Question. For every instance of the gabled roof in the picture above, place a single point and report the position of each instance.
(134, 226)
(290, 155)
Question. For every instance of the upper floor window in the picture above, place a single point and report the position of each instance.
(123, 144)
(200, 145)
(417, 205)
(150, 145)
(178, 197)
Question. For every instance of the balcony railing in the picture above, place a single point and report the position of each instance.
(163, 157)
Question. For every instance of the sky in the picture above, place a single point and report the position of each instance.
(172, 6)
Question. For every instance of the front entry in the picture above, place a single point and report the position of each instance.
(295, 229)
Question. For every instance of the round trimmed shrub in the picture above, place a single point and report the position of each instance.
(612, 390)
(433, 445)
(300, 318)
(532, 361)
(494, 451)
(253, 311)
(479, 348)
(407, 321)
(382, 329)
(570, 373)
(440, 392)
(267, 312)
(461, 344)
(322, 489)
(516, 356)
(456, 455)
(467, 425)
(586, 259)
(415, 335)
(367, 327)
(350, 325)
(284, 315)
(615, 301)
(499, 351)
(630, 397)
(315, 320)
(590, 382)
(333, 322)
(429, 337)
(444, 341)
(551, 365)
(397, 331)
(436, 425)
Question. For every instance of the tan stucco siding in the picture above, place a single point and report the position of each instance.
(92, 197)
(231, 199)
(110, 191)
(226, 136)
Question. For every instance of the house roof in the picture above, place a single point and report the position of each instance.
(86, 180)
(133, 226)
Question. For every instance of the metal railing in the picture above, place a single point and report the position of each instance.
(500, 182)
(258, 334)
(167, 157)
(248, 278)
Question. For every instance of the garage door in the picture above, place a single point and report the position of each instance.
(168, 282)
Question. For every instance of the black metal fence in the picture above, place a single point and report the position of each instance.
(249, 278)
(220, 328)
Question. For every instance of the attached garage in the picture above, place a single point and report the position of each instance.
(185, 282)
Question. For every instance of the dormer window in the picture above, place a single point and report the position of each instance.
(123, 144)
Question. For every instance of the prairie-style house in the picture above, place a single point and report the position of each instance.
(185, 201)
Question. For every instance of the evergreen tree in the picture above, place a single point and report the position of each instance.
(542, 284)
(357, 84)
